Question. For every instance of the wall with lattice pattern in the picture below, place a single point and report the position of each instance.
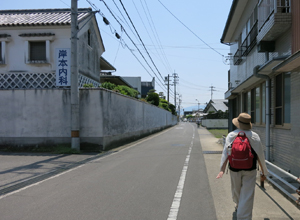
(25, 80)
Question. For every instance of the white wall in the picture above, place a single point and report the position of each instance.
(107, 119)
(215, 123)
(16, 49)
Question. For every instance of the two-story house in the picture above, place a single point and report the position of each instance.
(264, 78)
(29, 40)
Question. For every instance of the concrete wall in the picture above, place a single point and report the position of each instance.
(107, 119)
(215, 123)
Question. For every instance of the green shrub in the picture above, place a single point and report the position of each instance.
(108, 85)
(125, 90)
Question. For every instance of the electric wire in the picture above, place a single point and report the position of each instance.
(140, 38)
(132, 42)
(125, 46)
(160, 58)
(190, 29)
(95, 7)
(125, 19)
(156, 36)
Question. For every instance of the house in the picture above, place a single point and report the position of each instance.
(216, 105)
(30, 40)
(147, 86)
(264, 78)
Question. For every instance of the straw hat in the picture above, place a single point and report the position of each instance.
(243, 121)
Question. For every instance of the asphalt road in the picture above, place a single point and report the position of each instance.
(161, 177)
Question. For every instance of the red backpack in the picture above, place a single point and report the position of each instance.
(241, 156)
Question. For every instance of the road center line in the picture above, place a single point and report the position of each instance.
(178, 194)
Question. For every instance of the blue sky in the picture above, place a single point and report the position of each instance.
(171, 46)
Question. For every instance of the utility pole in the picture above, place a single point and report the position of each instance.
(198, 104)
(180, 96)
(75, 140)
(211, 91)
(167, 79)
(175, 81)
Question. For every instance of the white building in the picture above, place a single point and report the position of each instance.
(29, 39)
(264, 78)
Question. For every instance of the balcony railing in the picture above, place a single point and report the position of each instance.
(246, 47)
(237, 58)
(250, 41)
(268, 7)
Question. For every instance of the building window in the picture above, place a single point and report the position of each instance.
(89, 38)
(37, 51)
(283, 99)
(252, 105)
(257, 105)
(1, 59)
(263, 103)
(2, 52)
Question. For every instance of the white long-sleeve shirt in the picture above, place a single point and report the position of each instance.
(255, 144)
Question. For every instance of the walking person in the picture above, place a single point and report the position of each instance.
(243, 179)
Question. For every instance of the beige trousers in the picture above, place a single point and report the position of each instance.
(242, 188)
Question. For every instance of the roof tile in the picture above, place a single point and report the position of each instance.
(40, 17)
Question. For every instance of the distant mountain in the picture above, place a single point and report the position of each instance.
(191, 108)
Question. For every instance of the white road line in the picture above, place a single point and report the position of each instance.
(178, 194)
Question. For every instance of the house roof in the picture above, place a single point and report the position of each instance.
(40, 17)
(105, 65)
(236, 11)
(217, 104)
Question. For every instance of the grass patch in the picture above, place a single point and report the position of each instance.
(218, 133)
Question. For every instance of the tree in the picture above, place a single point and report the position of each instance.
(173, 109)
(153, 98)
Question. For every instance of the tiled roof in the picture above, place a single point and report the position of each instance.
(220, 104)
(38, 17)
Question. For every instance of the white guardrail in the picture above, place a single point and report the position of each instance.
(284, 182)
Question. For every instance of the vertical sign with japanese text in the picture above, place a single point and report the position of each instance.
(63, 66)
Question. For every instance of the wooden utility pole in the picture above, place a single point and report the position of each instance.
(75, 140)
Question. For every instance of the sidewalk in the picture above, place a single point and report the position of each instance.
(269, 204)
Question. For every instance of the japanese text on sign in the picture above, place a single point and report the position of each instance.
(63, 64)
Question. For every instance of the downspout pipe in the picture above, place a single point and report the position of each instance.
(267, 78)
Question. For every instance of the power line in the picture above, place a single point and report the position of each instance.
(190, 29)
(156, 36)
(140, 38)
(130, 40)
